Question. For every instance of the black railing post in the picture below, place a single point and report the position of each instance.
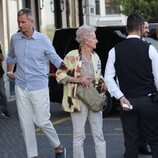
(57, 14)
(80, 7)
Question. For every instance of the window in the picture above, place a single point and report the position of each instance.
(72, 13)
(47, 19)
(112, 7)
(97, 7)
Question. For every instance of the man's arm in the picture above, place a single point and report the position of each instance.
(10, 72)
(153, 54)
(11, 60)
(112, 86)
(51, 54)
(10, 67)
(110, 74)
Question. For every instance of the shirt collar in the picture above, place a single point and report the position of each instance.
(34, 35)
(133, 36)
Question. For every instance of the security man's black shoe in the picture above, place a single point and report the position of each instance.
(144, 151)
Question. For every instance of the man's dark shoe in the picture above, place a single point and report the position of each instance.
(61, 154)
(5, 114)
(124, 154)
(144, 151)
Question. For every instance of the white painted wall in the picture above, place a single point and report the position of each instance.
(102, 19)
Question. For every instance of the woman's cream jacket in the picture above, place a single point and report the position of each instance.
(72, 60)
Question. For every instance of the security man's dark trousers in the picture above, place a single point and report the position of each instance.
(144, 116)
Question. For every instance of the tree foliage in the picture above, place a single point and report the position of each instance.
(148, 8)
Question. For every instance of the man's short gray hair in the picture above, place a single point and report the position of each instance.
(84, 32)
(27, 12)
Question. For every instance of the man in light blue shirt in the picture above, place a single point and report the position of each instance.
(31, 55)
(30, 51)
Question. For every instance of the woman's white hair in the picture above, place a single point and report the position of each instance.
(84, 32)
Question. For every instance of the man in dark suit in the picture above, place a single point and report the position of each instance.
(134, 62)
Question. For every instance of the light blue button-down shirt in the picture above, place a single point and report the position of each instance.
(31, 56)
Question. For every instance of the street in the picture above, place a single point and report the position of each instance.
(12, 144)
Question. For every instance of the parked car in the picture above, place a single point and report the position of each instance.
(64, 41)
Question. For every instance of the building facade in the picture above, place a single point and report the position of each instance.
(53, 14)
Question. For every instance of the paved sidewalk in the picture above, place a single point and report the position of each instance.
(11, 139)
(12, 143)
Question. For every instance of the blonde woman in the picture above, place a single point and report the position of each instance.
(83, 67)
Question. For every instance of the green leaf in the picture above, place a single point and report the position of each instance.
(148, 8)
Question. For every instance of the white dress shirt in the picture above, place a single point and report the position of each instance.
(110, 72)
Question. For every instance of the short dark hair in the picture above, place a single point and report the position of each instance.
(25, 11)
(134, 22)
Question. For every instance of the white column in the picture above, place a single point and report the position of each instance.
(102, 7)
(4, 39)
(90, 12)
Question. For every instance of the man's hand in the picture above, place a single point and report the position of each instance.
(63, 66)
(123, 100)
(10, 75)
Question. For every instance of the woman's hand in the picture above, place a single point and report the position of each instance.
(84, 81)
(103, 88)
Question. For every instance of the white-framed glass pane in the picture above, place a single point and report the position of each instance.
(97, 7)
(112, 7)
(47, 18)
